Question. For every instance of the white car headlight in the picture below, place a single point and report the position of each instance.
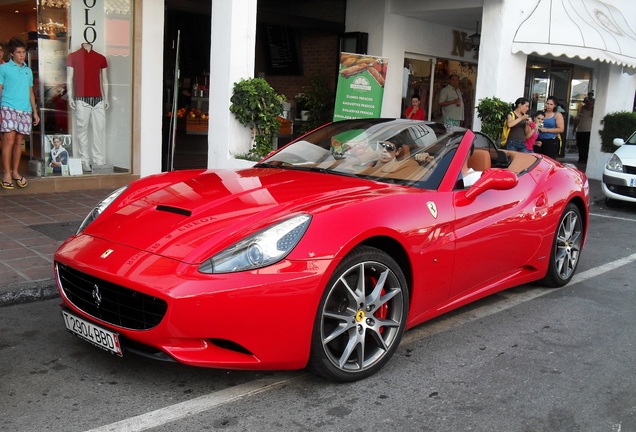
(264, 248)
(99, 208)
(614, 164)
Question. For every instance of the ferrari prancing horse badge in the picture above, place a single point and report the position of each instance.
(432, 208)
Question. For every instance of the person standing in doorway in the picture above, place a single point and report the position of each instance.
(18, 111)
(553, 126)
(415, 111)
(88, 98)
(450, 99)
(583, 127)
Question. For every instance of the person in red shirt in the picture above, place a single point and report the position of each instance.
(415, 112)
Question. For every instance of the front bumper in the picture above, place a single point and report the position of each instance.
(261, 319)
(619, 186)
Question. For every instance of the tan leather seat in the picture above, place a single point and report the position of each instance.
(480, 160)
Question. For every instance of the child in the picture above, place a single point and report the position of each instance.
(535, 123)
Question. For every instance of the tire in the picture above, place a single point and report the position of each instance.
(612, 203)
(361, 317)
(566, 248)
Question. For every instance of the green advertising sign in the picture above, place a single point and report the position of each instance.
(360, 86)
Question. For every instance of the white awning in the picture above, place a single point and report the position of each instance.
(588, 29)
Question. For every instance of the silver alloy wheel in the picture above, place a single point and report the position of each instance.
(362, 317)
(568, 244)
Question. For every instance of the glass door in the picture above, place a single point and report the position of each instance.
(417, 81)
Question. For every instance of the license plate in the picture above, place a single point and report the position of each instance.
(632, 182)
(96, 335)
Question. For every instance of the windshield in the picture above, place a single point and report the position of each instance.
(397, 151)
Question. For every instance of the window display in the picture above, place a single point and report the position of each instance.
(84, 80)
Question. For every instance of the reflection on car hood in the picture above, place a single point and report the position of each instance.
(189, 217)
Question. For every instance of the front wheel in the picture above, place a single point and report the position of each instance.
(566, 248)
(361, 317)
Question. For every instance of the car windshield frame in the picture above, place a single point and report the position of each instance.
(363, 149)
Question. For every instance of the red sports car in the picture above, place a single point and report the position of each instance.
(323, 253)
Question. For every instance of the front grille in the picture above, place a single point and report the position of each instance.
(629, 169)
(109, 302)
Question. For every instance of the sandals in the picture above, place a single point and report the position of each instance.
(6, 185)
(21, 182)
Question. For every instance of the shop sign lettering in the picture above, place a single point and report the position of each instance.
(90, 32)
(461, 43)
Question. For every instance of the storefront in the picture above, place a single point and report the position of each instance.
(425, 43)
(81, 56)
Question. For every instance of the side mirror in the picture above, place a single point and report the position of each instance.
(618, 142)
(491, 179)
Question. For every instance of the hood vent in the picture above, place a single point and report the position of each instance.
(175, 210)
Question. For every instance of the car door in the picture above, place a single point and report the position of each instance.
(496, 235)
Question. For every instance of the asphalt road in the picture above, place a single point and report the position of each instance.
(527, 359)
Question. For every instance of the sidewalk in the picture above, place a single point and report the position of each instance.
(32, 227)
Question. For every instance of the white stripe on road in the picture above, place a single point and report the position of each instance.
(195, 406)
(510, 299)
(207, 402)
(612, 217)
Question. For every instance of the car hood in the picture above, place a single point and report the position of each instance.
(627, 153)
(189, 216)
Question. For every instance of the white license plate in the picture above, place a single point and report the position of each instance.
(96, 335)
(632, 182)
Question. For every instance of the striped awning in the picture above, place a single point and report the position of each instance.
(588, 29)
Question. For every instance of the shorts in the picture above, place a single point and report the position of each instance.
(16, 120)
(518, 146)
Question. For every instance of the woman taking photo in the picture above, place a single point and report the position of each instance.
(553, 125)
(519, 124)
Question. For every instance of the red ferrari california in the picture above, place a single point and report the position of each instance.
(323, 253)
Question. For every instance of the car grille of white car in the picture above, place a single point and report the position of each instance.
(109, 302)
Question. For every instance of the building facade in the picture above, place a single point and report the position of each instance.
(499, 48)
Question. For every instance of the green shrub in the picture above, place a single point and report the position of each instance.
(319, 103)
(493, 112)
(256, 105)
(616, 125)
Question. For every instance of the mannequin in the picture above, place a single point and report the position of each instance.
(87, 88)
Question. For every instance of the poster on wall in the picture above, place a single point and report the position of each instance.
(360, 86)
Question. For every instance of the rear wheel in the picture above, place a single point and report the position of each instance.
(361, 317)
(566, 248)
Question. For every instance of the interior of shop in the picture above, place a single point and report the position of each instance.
(304, 31)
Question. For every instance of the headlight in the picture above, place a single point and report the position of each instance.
(261, 249)
(614, 164)
(99, 208)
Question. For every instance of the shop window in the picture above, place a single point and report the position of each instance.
(83, 86)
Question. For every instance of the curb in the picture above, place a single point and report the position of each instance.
(28, 292)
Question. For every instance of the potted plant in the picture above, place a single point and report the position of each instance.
(301, 105)
(320, 103)
(493, 112)
(256, 105)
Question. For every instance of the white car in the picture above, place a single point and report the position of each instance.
(619, 176)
